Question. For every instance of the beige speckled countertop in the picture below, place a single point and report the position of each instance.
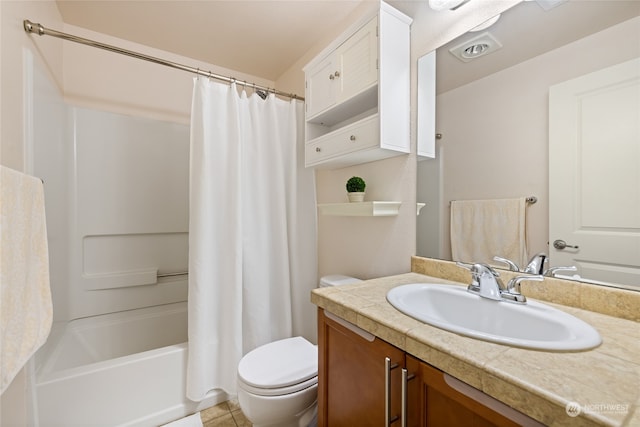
(605, 381)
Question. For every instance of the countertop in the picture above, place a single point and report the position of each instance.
(604, 381)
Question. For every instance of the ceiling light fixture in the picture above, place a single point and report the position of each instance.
(439, 5)
(478, 46)
(475, 50)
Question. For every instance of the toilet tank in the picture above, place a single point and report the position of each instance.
(337, 280)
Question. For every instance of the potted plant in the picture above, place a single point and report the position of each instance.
(355, 189)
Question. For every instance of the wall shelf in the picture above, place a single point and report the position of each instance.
(360, 209)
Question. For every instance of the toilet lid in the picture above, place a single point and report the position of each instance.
(280, 363)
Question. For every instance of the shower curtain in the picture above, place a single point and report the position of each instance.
(251, 228)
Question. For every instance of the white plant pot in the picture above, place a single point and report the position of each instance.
(356, 197)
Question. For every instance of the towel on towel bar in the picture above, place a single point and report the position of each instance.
(26, 310)
(482, 229)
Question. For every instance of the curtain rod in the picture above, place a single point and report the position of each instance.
(31, 27)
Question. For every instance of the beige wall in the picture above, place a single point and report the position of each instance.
(501, 150)
(15, 41)
(109, 81)
(374, 247)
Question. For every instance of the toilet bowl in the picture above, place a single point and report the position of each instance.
(278, 381)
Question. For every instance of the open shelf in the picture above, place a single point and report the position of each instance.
(360, 209)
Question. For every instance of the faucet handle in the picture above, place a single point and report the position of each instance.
(478, 269)
(513, 286)
(551, 272)
(512, 265)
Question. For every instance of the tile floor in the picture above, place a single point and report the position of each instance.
(225, 414)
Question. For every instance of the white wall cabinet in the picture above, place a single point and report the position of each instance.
(349, 70)
(358, 94)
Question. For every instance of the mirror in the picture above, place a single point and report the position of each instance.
(493, 111)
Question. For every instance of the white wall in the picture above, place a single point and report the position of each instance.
(495, 130)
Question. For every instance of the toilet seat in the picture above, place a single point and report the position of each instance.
(281, 367)
(279, 391)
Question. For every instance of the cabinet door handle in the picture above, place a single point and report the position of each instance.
(337, 74)
(352, 138)
(406, 377)
(331, 77)
(387, 391)
(318, 149)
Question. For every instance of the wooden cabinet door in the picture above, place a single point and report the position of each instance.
(438, 401)
(351, 377)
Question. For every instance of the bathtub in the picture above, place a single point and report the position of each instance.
(118, 369)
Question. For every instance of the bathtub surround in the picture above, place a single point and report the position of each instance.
(143, 351)
(252, 228)
(26, 311)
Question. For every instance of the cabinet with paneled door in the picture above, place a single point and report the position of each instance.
(357, 94)
(365, 381)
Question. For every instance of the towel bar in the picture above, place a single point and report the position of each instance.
(530, 200)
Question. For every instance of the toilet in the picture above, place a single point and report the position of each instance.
(278, 381)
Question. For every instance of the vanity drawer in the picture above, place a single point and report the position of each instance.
(336, 147)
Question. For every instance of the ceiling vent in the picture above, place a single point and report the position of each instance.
(480, 45)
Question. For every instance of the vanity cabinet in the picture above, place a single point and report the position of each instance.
(357, 94)
(351, 375)
(361, 380)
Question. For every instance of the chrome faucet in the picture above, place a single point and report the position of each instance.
(536, 264)
(485, 281)
(513, 288)
(512, 265)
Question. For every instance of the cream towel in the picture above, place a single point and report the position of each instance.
(26, 310)
(482, 229)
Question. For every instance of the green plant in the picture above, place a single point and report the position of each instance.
(355, 184)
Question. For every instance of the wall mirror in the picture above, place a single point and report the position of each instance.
(493, 114)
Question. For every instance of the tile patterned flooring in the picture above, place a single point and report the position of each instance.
(225, 414)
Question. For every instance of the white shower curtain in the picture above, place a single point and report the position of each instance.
(251, 230)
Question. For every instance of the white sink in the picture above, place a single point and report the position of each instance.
(530, 325)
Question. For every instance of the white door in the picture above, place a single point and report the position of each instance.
(594, 174)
